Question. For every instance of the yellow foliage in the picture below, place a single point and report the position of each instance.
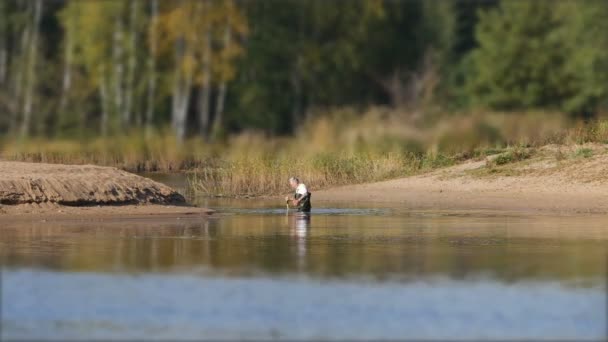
(191, 23)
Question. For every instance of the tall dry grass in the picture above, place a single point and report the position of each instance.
(136, 152)
(341, 146)
(267, 174)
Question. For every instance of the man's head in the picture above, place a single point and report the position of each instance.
(293, 181)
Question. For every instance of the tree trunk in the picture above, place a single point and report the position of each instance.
(183, 110)
(31, 78)
(177, 79)
(152, 67)
(205, 89)
(129, 93)
(221, 97)
(297, 99)
(3, 42)
(117, 51)
(67, 71)
(103, 94)
(181, 93)
(3, 61)
(175, 98)
(20, 65)
(3, 57)
(296, 75)
(219, 109)
(393, 86)
(181, 99)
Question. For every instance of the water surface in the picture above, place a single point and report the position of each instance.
(346, 271)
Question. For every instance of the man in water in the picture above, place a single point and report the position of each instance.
(301, 197)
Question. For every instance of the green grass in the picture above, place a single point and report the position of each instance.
(583, 152)
(511, 156)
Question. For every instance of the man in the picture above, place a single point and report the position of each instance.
(301, 198)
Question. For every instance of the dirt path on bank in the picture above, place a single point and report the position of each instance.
(57, 192)
(554, 180)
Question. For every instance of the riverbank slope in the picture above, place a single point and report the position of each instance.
(555, 179)
(78, 191)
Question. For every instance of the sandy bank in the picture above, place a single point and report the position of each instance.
(54, 191)
(552, 181)
(55, 212)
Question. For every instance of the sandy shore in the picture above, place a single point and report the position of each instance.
(78, 185)
(36, 191)
(542, 184)
(554, 180)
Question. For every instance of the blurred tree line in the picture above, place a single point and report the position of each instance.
(73, 68)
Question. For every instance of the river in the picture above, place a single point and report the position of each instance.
(346, 271)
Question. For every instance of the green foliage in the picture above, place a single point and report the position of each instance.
(317, 59)
(583, 152)
(275, 65)
(433, 161)
(584, 28)
(512, 156)
(541, 54)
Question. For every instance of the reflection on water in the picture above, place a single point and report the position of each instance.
(258, 271)
(300, 226)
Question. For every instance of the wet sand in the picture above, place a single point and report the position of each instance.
(58, 213)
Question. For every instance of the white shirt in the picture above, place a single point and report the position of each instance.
(301, 189)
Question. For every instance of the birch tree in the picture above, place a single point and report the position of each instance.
(234, 23)
(132, 60)
(151, 64)
(99, 45)
(201, 33)
(18, 63)
(205, 87)
(3, 41)
(70, 29)
(31, 64)
(118, 64)
(178, 28)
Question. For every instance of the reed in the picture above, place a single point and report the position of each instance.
(341, 146)
(267, 174)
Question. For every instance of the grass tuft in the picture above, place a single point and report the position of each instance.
(583, 152)
(512, 156)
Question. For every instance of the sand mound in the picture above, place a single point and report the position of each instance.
(79, 185)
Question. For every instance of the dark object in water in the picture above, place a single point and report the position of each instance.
(304, 202)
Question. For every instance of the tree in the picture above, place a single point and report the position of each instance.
(585, 28)
(19, 26)
(151, 65)
(3, 41)
(230, 50)
(30, 80)
(538, 54)
(300, 55)
(203, 36)
(95, 45)
(105, 40)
